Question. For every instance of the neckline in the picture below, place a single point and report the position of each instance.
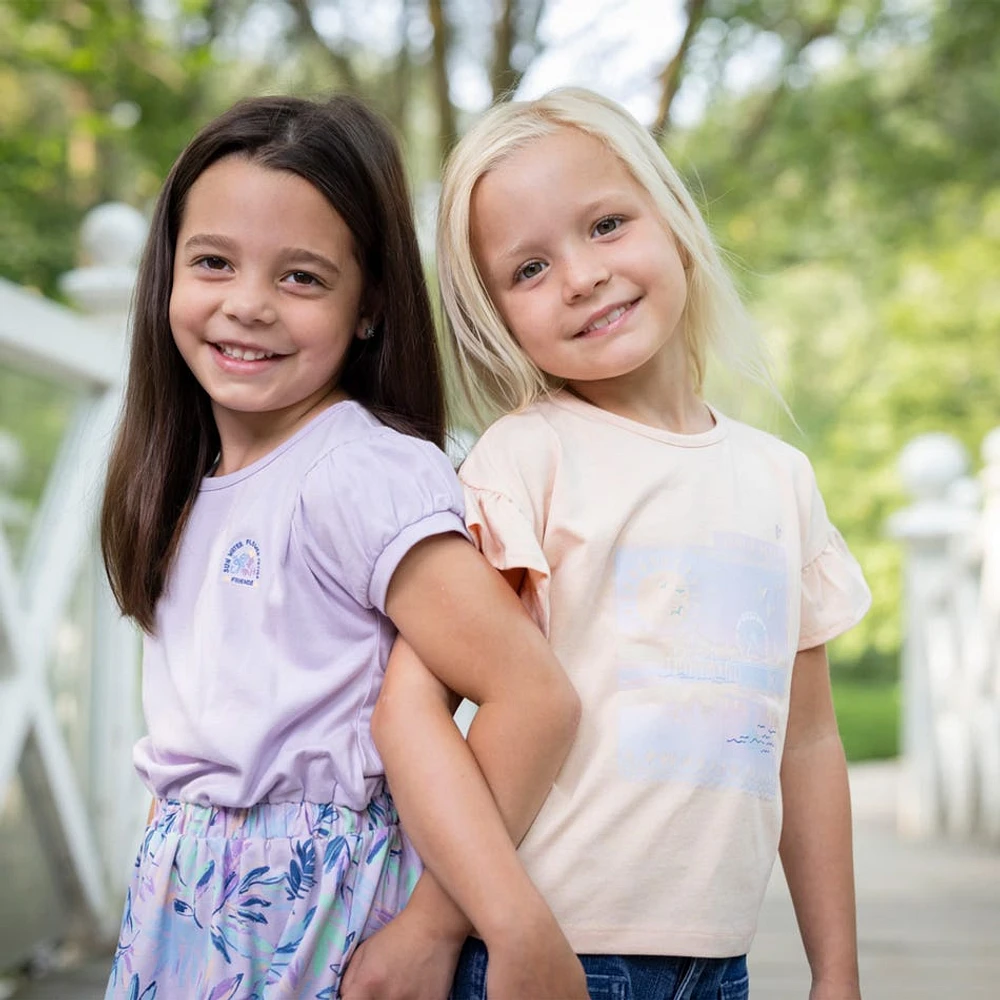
(703, 439)
(210, 483)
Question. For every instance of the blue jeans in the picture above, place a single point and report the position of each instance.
(627, 977)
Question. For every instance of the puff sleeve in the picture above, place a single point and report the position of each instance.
(366, 503)
(505, 516)
(835, 595)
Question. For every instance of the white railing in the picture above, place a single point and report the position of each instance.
(951, 647)
(86, 804)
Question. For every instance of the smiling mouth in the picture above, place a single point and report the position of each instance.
(243, 353)
(607, 319)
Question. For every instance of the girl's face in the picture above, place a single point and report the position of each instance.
(579, 263)
(266, 297)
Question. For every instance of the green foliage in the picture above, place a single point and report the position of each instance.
(868, 716)
(95, 102)
(865, 201)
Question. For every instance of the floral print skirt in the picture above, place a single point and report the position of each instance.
(266, 903)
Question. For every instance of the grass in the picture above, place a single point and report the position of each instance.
(868, 716)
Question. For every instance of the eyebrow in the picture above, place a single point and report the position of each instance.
(213, 241)
(592, 207)
(513, 252)
(209, 241)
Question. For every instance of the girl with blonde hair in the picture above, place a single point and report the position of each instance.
(680, 562)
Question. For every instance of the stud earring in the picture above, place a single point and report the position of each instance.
(368, 332)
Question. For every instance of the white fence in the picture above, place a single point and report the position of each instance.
(951, 653)
(69, 665)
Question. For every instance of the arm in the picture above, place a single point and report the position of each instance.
(415, 710)
(415, 955)
(815, 846)
(467, 625)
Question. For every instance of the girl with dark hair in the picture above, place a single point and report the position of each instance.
(277, 506)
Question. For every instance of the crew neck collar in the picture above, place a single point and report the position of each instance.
(569, 401)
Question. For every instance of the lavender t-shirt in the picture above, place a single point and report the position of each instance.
(271, 635)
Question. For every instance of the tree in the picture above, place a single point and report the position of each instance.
(419, 62)
(98, 100)
(860, 192)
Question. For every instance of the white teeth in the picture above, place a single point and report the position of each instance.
(243, 354)
(599, 324)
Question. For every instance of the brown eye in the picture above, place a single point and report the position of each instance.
(303, 278)
(211, 263)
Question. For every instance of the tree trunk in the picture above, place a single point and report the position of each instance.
(442, 45)
(341, 63)
(673, 72)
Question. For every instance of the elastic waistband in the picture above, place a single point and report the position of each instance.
(274, 820)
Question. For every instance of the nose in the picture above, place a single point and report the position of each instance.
(583, 271)
(249, 301)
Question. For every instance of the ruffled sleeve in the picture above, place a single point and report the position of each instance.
(366, 503)
(835, 596)
(508, 478)
(507, 537)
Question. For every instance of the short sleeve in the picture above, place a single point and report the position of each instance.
(507, 478)
(366, 503)
(507, 538)
(835, 596)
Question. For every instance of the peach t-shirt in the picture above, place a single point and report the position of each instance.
(676, 576)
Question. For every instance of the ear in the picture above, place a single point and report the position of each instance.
(369, 317)
(365, 328)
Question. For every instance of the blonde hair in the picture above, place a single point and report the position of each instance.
(496, 375)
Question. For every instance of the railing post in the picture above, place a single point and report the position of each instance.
(12, 511)
(987, 728)
(929, 466)
(111, 238)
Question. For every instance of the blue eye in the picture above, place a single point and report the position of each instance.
(530, 270)
(608, 225)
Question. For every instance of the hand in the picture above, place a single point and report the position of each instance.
(402, 961)
(535, 966)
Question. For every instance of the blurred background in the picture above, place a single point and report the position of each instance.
(845, 152)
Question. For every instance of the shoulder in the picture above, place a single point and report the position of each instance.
(780, 455)
(789, 470)
(358, 440)
(520, 428)
(523, 446)
(360, 460)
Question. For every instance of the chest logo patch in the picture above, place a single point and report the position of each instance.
(242, 563)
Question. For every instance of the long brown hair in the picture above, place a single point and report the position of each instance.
(167, 439)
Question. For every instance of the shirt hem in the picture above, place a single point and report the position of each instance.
(615, 941)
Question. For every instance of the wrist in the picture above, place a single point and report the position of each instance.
(436, 913)
(531, 921)
(846, 986)
(453, 927)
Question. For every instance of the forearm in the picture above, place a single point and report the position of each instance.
(454, 818)
(520, 749)
(816, 853)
